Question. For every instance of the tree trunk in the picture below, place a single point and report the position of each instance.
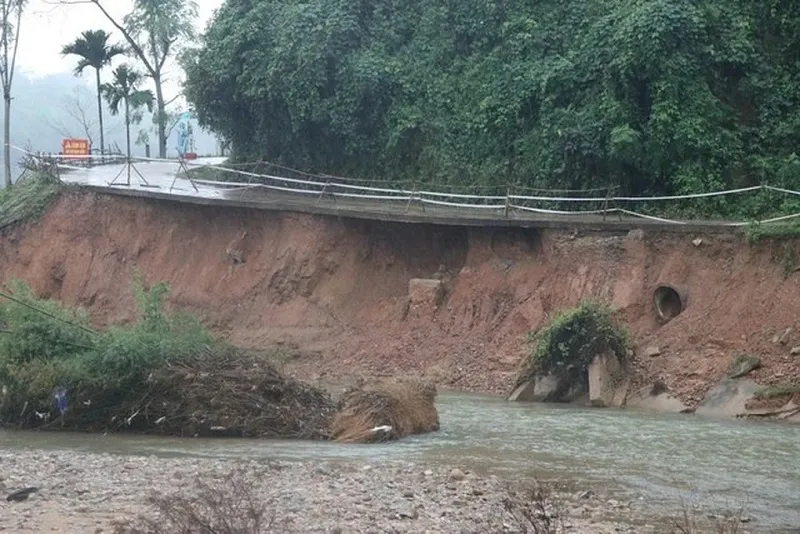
(128, 140)
(7, 143)
(127, 129)
(100, 115)
(161, 116)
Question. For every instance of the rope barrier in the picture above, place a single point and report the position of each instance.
(445, 194)
(460, 205)
(70, 167)
(562, 212)
(334, 189)
(781, 190)
(650, 217)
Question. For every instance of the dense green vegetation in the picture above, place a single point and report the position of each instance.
(29, 199)
(42, 352)
(573, 338)
(163, 374)
(759, 232)
(653, 96)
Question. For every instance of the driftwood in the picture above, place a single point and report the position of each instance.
(784, 412)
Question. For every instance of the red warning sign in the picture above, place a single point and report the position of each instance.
(75, 147)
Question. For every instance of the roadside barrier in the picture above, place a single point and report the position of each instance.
(323, 186)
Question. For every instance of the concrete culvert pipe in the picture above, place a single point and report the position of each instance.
(669, 301)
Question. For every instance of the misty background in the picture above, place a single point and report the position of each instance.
(46, 109)
(50, 103)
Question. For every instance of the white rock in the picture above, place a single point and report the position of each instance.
(457, 475)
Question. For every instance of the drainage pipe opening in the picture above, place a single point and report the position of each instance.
(669, 302)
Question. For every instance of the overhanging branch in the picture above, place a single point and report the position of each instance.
(173, 99)
(131, 41)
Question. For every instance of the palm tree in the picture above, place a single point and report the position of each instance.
(94, 51)
(123, 90)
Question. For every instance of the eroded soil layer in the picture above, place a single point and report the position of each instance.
(355, 297)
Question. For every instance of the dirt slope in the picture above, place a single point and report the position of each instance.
(338, 290)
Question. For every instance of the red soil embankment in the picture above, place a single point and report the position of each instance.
(338, 290)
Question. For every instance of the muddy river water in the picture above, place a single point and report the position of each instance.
(662, 460)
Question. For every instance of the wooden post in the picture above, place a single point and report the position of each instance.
(508, 200)
(413, 194)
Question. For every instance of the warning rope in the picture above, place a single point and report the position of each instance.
(347, 188)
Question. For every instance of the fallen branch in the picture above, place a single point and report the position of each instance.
(783, 412)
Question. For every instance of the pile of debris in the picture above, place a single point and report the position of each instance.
(383, 410)
(225, 394)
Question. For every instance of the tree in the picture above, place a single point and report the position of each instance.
(78, 119)
(154, 30)
(10, 24)
(651, 96)
(94, 51)
(170, 121)
(124, 91)
(157, 26)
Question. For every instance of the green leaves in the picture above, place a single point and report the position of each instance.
(655, 96)
(124, 89)
(93, 49)
(41, 351)
(567, 346)
(159, 26)
(33, 335)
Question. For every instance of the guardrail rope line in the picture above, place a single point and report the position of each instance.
(512, 204)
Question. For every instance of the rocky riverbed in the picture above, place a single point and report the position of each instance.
(82, 492)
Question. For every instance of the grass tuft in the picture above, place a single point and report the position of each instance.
(691, 520)
(28, 200)
(756, 233)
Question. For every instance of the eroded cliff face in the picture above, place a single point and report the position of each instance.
(341, 291)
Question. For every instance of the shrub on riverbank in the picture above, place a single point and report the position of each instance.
(231, 505)
(566, 347)
(535, 507)
(163, 374)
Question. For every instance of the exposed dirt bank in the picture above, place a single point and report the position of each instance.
(340, 292)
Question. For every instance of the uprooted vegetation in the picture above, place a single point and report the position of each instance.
(384, 410)
(778, 391)
(567, 346)
(742, 365)
(777, 401)
(164, 374)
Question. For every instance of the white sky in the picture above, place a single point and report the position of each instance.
(47, 27)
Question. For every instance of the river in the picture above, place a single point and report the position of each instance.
(658, 459)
